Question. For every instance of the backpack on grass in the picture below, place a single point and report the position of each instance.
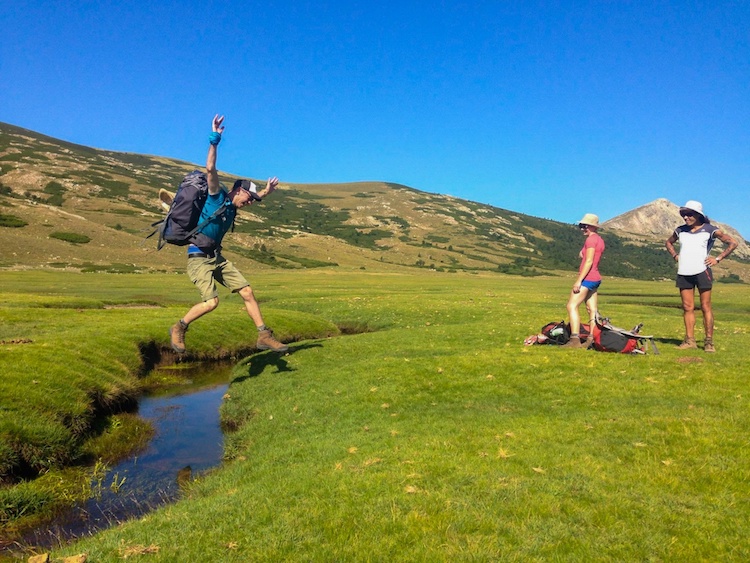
(556, 333)
(609, 338)
(182, 223)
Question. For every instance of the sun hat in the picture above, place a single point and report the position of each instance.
(693, 205)
(589, 219)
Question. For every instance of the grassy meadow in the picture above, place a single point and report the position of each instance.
(407, 422)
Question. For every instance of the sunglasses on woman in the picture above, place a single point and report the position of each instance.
(687, 214)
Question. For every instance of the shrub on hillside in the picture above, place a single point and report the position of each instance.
(11, 221)
(75, 238)
(56, 191)
(730, 278)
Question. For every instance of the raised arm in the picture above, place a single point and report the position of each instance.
(211, 172)
(271, 186)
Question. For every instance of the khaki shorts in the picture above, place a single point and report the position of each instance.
(205, 272)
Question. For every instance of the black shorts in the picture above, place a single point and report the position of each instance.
(704, 280)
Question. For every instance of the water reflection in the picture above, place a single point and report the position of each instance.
(188, 440)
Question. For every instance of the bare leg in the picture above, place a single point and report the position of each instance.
(177, 331)
(592, 306)
(688, 312)
(708, 314)
(266, 340)
(574, 301)
(251, 305)
(200, 309)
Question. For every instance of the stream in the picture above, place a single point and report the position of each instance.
(188, 441)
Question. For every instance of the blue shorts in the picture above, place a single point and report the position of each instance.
(591, 285)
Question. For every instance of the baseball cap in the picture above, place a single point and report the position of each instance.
(249, 187)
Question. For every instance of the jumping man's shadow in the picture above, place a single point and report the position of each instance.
(258, 363)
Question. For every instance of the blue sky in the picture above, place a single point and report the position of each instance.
(554, 109)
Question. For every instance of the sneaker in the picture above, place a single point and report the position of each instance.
(574, 342)
(687, 344)
(708, 345)
(588, 343)
(266, 341)
(177, 336)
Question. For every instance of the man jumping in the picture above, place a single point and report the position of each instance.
(206, 265)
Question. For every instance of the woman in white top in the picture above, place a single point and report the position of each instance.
(696, 239)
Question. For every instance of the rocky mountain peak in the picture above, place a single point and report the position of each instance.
(657, 220)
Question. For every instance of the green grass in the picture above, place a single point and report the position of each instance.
(437, 436)
(72, 353)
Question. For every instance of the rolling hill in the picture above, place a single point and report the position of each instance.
(74, 207)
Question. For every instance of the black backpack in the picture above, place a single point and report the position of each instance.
(181, 225)
(609, 338)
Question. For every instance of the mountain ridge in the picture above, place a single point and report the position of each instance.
(659, 218)
(76, 207)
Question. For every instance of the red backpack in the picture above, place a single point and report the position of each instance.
(609, 338)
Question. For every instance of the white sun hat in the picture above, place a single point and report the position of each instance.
(693, 205)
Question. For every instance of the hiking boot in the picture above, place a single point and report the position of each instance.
(574, 342)
(177, 336)
(588, 343)
(708, 345)
(687, 344)
(266, 341)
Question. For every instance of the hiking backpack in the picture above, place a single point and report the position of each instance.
(182, 223)
(556, 333)
(609, 338)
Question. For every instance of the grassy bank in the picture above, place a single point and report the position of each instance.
(438, 436)
(74, 348)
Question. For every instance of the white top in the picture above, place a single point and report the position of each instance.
(694, 248)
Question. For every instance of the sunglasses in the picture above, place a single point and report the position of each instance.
(684, 214)
(583, 227)
(252, 194)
